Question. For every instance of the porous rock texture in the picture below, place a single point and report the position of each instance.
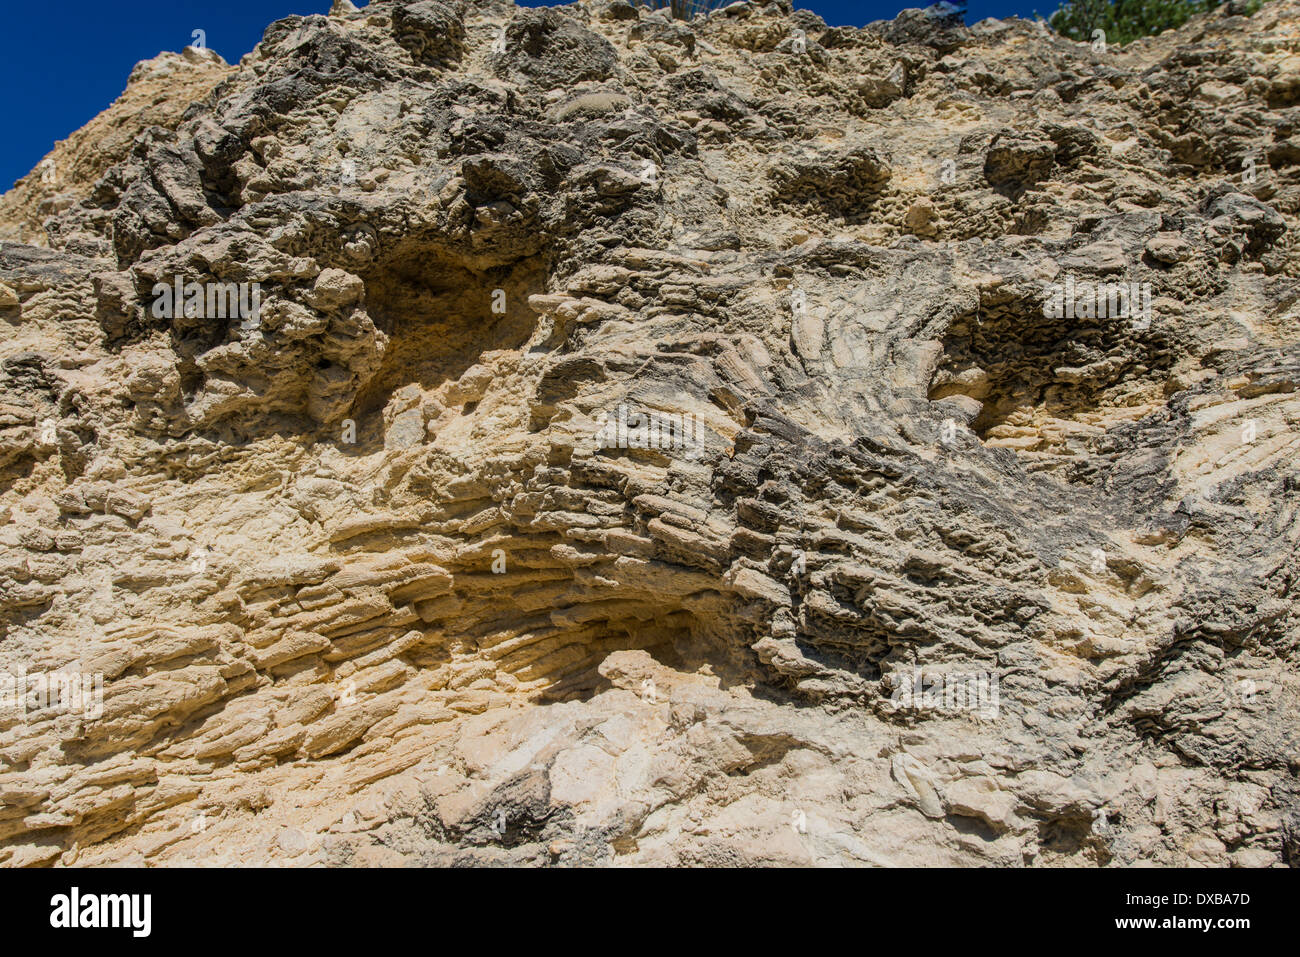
(364, 589)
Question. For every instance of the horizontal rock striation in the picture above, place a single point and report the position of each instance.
(469, 434)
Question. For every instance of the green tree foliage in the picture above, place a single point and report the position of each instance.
(1126, 20)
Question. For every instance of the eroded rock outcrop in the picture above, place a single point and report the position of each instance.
(640, 433)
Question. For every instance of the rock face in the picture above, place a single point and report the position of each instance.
(617, 440)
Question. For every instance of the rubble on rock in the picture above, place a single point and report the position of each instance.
(364, 587)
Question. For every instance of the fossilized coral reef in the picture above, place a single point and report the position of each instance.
(365, 587)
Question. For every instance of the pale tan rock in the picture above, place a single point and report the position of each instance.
(365, 581)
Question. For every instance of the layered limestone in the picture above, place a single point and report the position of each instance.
(653, 442)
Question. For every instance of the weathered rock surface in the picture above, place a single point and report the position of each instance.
(365, 585)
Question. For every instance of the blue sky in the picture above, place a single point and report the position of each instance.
(62, 62)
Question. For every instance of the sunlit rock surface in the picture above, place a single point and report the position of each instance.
(620, 416)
